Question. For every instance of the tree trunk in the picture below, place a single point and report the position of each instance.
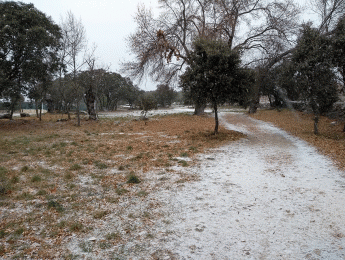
(216, 119)
(36, 107)
(90, 103)
(78, 113)
(12, 111)
(41, 111)
(316, 121)
(254, 103)
(199, 108)
(253, 107)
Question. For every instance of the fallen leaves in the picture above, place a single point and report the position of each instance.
(330, 141)
(82, 174)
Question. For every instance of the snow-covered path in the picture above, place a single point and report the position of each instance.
(268, 196)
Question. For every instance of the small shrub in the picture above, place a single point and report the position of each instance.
(112, 236)
(15, 179)
(2, 233)
(142, 193)
(41, 193)
(62, 224)
(100, 214)
(121, 168)
(150, 236)
(36, 178)
(86, 247)
(139, 156)
(184, 154)
(54, 204)
(120, 191)
(85, 161)
(146, 215)
(183, 163)
(75, 167)
(68, 176)
(25, 168)
(193, 149)
(2, 250)
(71, 186)
(129, 148)
(112, 200)
(76, 227)
(101, 165)
(104, 245)
(44, 171)
(25, 196)
(18, 231)
(132, 178)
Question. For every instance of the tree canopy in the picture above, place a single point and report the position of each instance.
(214, 73)
(29, 42)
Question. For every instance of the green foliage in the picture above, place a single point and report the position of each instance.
(4, 182)
(54, 204)
(164, 95)
(100, 165)
(36, 178)
(214, 74)
(148, 102)
(113, 236)
(29, 43)
(314, 77)
(132, 178)
(100, 214)
(120, 191)
(75, 167)
(76, 227)
(338, 45)
(183, 163)
(86, 246)
(25, 168)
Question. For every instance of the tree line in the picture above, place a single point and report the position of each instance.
(216, 50)
(234, 50)
(52, 64)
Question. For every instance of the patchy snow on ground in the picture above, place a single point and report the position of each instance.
(269, 196)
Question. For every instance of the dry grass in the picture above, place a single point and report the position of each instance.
(330, 141)
(58, 180)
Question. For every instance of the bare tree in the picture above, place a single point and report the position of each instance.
(329, 12)
(74, 43)
(162, 45)
(91, 80)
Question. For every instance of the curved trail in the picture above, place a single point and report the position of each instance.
(267, 196)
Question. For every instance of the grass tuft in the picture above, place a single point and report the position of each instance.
(132, 178)
(54, 204)
(76, 227)
(75, 167)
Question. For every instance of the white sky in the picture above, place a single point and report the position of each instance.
(107, 24)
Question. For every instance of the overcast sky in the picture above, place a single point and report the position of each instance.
(107, 24)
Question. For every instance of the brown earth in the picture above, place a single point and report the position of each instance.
(331, 138)
(60, 181)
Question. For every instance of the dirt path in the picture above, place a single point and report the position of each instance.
(269, 196)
